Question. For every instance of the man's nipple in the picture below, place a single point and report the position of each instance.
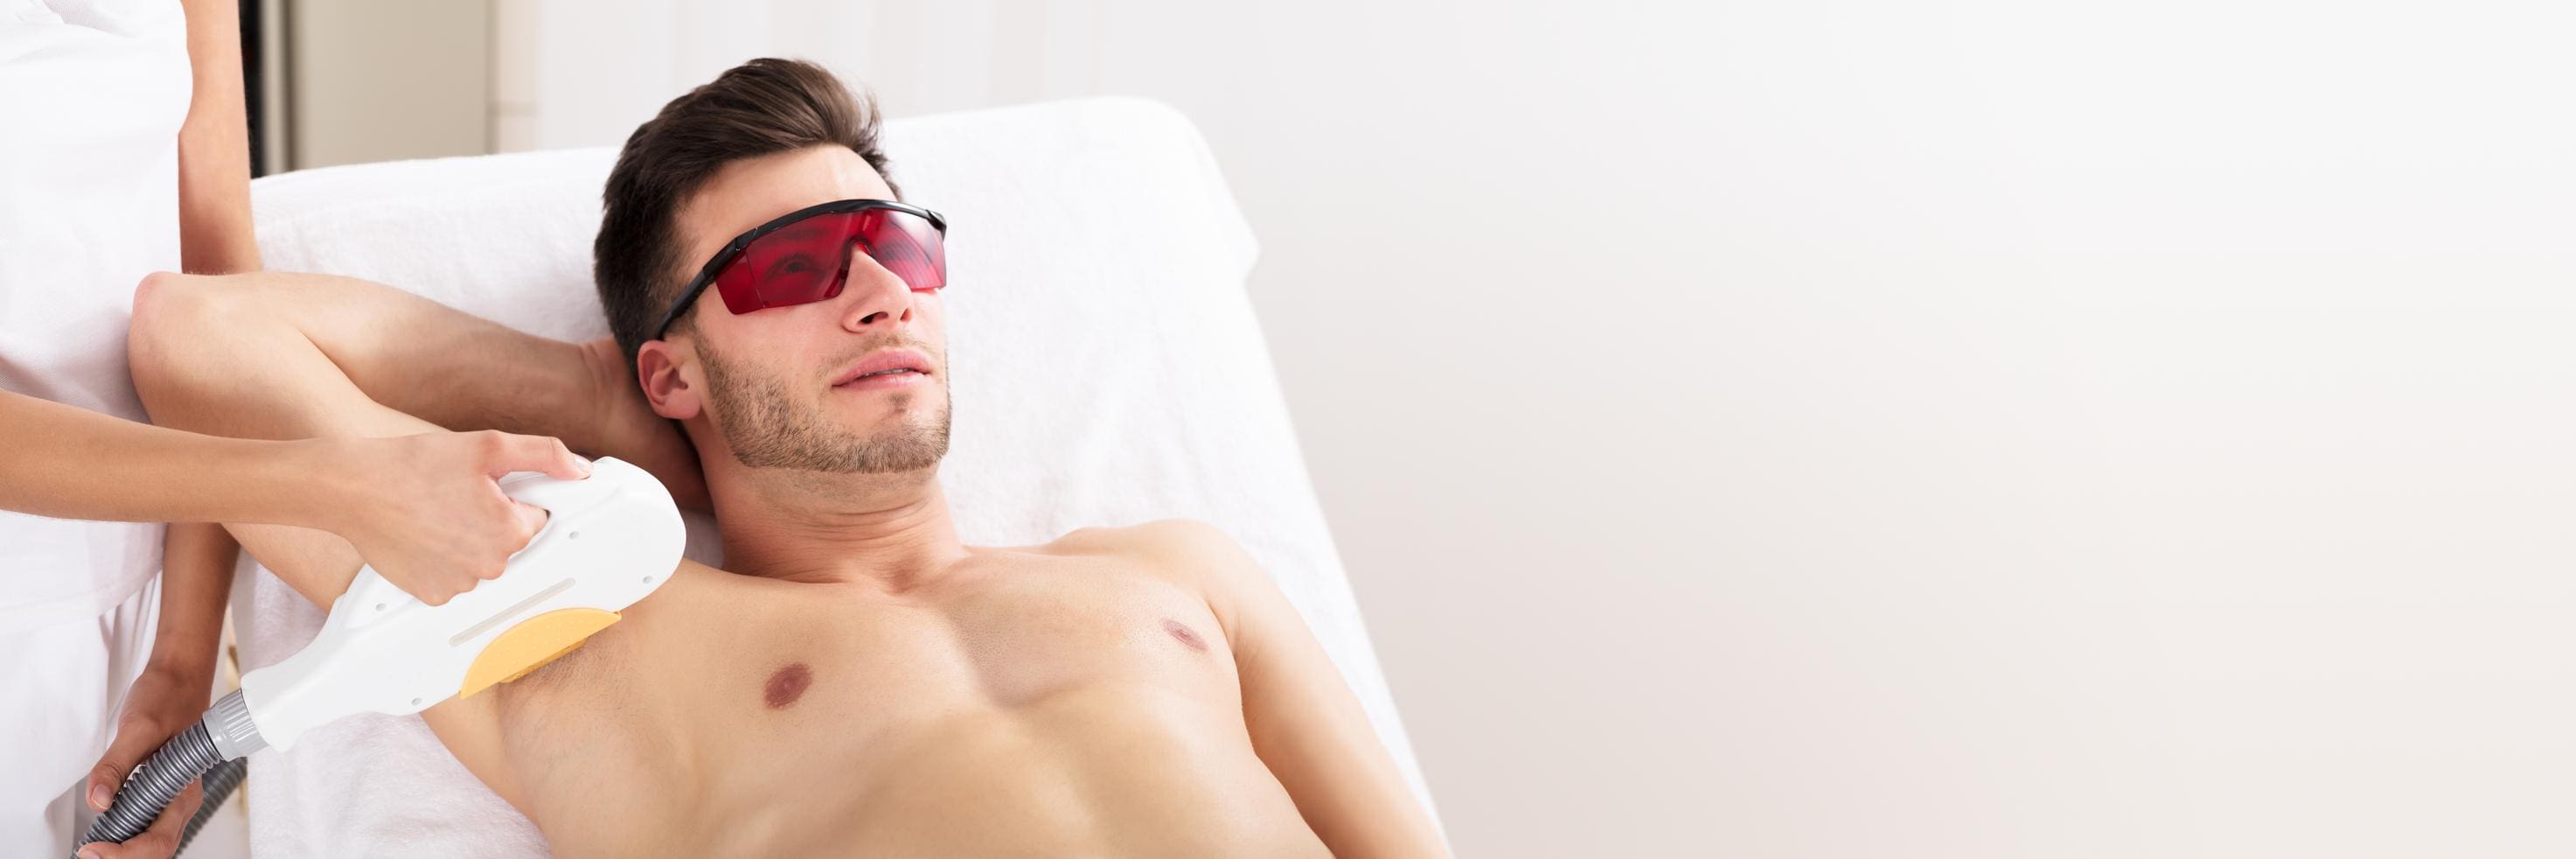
(1186, 635)
(788, 684)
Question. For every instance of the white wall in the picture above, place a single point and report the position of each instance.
(1857, 429)
(378, 80)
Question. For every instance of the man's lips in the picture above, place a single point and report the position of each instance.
(887, 368)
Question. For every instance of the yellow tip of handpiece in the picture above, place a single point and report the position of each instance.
(531, 644)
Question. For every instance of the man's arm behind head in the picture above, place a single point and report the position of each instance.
(409, 354)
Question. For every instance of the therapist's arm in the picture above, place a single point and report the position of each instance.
(215, 235)
(72, 463)
(426, 502)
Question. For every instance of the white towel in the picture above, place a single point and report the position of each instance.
(1106, 366)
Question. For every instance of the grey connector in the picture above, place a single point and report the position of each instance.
(228, 724)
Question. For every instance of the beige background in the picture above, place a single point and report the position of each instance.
(1865, 428)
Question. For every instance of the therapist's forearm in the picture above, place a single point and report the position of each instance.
(215, 234)
(71, 463)
(196, 576)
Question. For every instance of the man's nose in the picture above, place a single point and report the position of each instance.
(877, 298)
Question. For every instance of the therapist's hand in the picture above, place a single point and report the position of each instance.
(164, 701)
(428, 512)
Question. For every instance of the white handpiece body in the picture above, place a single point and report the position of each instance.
(608, 541)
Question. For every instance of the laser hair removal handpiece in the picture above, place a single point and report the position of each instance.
(608, 541)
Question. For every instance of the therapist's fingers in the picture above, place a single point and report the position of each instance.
(162, 840)
(510, 452)
(138, 732)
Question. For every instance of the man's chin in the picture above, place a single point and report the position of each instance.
(917, 444)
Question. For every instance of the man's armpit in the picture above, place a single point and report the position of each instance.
(584, 684)
(483, 729)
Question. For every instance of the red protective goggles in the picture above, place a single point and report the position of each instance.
(804, 256)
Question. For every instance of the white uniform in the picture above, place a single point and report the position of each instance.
(92, 93)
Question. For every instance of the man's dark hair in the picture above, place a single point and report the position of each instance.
(762, 107)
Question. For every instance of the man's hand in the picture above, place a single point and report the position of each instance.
(428, 512)
(164, 701)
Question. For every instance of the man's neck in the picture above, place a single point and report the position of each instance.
(889, 530)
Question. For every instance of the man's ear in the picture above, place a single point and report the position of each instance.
(664, 369)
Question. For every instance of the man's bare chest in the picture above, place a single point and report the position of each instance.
(1004, 642)
(982, 682)
(1007, 636)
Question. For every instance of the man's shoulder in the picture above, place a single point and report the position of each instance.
(1182, 541)
(1186, 551)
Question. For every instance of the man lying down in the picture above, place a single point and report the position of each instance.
(859, 682)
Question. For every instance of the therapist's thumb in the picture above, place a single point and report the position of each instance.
(136, 736)
(530, 518)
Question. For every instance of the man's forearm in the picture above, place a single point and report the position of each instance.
(250, 353)
(457, 370)
(409, 353)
